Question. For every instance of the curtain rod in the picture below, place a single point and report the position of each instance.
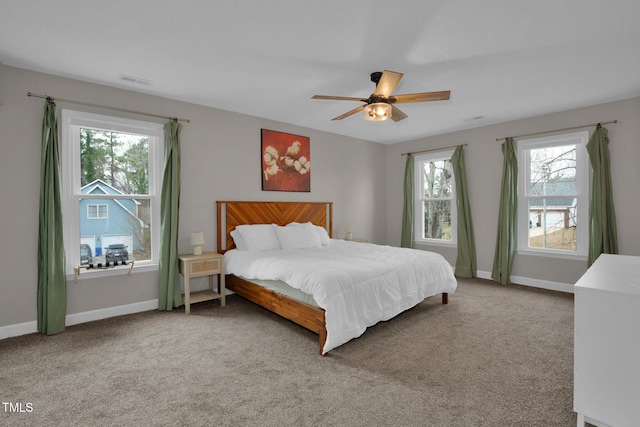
(558, 130)
(175, 119)
(435, 149)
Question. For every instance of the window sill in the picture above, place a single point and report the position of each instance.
(86, 274)
(446, 244)
(552, 254)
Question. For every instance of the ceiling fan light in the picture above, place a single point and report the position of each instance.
(377, 111)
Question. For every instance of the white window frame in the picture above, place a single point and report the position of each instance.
(70, 124)
(98, 206)
(583, 172)
(418, 200)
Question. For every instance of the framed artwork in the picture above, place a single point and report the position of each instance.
(286, 162)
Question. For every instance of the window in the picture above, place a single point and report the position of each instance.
(553, 195)
(434, 200)
(111, 179)
(97, 211)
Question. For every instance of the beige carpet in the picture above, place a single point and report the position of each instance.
(495, 356)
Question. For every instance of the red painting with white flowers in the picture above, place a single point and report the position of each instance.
(286, 162)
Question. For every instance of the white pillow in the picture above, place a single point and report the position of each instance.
(301, 236)
(321, 232)
(258, 237)
(237, 239)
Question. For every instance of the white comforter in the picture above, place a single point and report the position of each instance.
(357, 284)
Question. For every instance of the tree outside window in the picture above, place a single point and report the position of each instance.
(552, 201)
(435, 200)
(120, 160)
(553, 190)
(111, 177)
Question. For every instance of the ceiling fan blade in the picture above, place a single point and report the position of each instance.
(338, 98)
(420, 97)
(387, 83)
(350, 113)
(396, 114)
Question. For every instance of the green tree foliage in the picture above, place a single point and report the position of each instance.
(92, 156)
(134, 168)
(113, 166)
(120, 160)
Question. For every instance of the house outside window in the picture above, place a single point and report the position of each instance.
(434, 199)
(97, 211)
(111, 182)
(553, 195)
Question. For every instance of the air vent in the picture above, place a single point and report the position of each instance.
(135, 80)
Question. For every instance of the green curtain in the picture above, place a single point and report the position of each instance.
(52, 283)
(169, 295)
(507, 217)
(407, 210)
(603, 234)
(466, 260)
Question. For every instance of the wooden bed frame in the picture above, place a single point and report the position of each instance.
(233, 213)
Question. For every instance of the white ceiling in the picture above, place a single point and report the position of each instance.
(501, 59)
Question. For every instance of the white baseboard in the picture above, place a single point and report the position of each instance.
(483, 275)
(77, 318)
(534, 283)
(104, 313)
(18, 329)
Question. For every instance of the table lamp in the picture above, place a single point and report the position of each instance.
(197, 240)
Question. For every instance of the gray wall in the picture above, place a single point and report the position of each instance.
(220, 161)
(483, 158)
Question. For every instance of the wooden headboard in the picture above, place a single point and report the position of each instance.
(231, 214)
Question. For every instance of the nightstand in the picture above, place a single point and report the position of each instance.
(207, 264)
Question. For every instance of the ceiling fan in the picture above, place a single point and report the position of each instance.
(380, 105)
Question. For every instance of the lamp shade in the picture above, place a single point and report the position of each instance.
(197, 238)
(377, 111)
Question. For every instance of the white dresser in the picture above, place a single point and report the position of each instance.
(607, 343)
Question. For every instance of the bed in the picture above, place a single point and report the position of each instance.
(335, 301)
